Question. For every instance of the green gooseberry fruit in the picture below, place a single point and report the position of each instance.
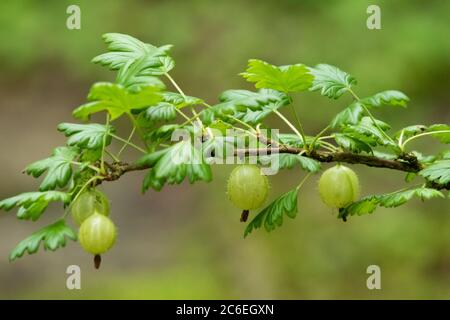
(247, 187)
(97, 234)
(87, 203)
(339, 186)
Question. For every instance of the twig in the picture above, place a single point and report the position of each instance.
(321, 156)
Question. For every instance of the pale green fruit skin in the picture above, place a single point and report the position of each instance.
(87, 203)
(339, 186)
(247, 187)
(97, 234)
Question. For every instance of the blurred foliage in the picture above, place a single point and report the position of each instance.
(192, 247)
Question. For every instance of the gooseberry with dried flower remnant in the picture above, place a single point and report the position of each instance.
(97, 235)
(247, 188)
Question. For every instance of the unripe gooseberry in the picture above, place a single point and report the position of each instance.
(87, 203)
(339, 186)
(97, 234)
(247, 187)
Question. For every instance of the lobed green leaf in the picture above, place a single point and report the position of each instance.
(438, 171)
(331, 81)
(33, 204)
(163, 111)
(386, 98)
(52, 237)
(369, 204)
(350, 115)
(87, 136)
(243, 104)
(444, 132)
(367, 128)
(29, 198)
(272, 215)
(353, 142)
(172, 165)
(116, 100)
(58, 168)
(289, 78)
(181, 101)
(288, 161)
(138, 63)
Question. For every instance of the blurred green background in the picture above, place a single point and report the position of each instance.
(185, 242)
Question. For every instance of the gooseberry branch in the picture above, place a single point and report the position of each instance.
(74, 170)
(119, 169)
